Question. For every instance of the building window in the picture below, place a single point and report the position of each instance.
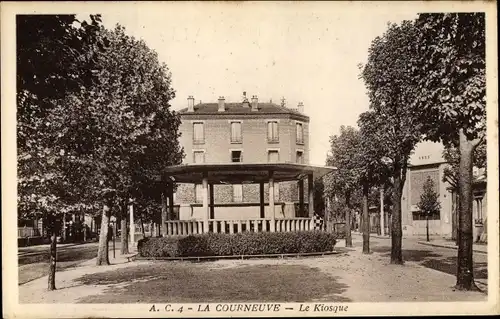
(299, 158)
(198, 157)
(273, 156)
(236, 156)
(237, 193)
(276, 192)
(198, 133)
(300, 133)
(235, 132)
(272, 132)
(418, 215)
(198, 190)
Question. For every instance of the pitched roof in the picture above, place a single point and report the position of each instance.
(237, 108)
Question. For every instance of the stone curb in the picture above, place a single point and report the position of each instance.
(449, 247)
(212, 258)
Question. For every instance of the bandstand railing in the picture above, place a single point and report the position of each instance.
(190, 227)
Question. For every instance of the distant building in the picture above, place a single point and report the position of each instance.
(427, 161)
(249, 131)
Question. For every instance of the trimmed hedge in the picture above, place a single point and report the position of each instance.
(32, 241)
(247, 243)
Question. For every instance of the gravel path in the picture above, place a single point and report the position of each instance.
(367, 278)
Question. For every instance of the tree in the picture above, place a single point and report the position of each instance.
(54, 59)
(124, 130)
(372, 171)
(450, 74)
(429, 202)
(344, 180)
(391, 92)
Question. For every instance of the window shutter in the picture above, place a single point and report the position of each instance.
(198, 132)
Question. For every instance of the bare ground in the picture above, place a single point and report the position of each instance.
(347, 277)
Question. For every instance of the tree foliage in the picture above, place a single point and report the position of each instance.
(98, 129)
(429, 199)
(55, 57)
(122, 132)
(391, 90)
(344, 150)
(450, 74)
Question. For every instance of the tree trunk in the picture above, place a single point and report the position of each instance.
(382, 213)
(389, 222)
(454, 210)
(84, 228)
(427, 225)
(142, 227)
(163, 214)
(124, 235)
(103, 252)
(366, 221)
(52, 262)
(347, 229)
(64, 234)
(348, 235)
(396, 227)
(465, 276)
(457, 217)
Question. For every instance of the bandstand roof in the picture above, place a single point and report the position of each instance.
(244, 173)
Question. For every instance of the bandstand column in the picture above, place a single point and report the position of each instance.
(301, 197)
(170, 194)
(271, 201)
(212, 209)
(310, 189)
(262, 207)
(206, 210)
(382, 225)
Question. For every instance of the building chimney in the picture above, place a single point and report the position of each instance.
(255, 103)
(190, 103)
(245, 100)
(300, 107)
(222, 107)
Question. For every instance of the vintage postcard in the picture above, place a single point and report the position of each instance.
(249, 159)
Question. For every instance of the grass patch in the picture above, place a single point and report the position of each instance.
(34, 271)
(184, 282)
(36, 266)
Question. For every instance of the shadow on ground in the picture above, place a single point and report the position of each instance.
(184, 282)
(435, 261)
(69, 254)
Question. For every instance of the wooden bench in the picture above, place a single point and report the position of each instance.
(130, 257)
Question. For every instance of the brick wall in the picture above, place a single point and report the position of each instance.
(412, 190)
(223, 194)
(217, 148)
(417, 180)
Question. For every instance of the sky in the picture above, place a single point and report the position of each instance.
(304, 52)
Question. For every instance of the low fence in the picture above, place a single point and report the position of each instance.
(23, 232)
(189, 227)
